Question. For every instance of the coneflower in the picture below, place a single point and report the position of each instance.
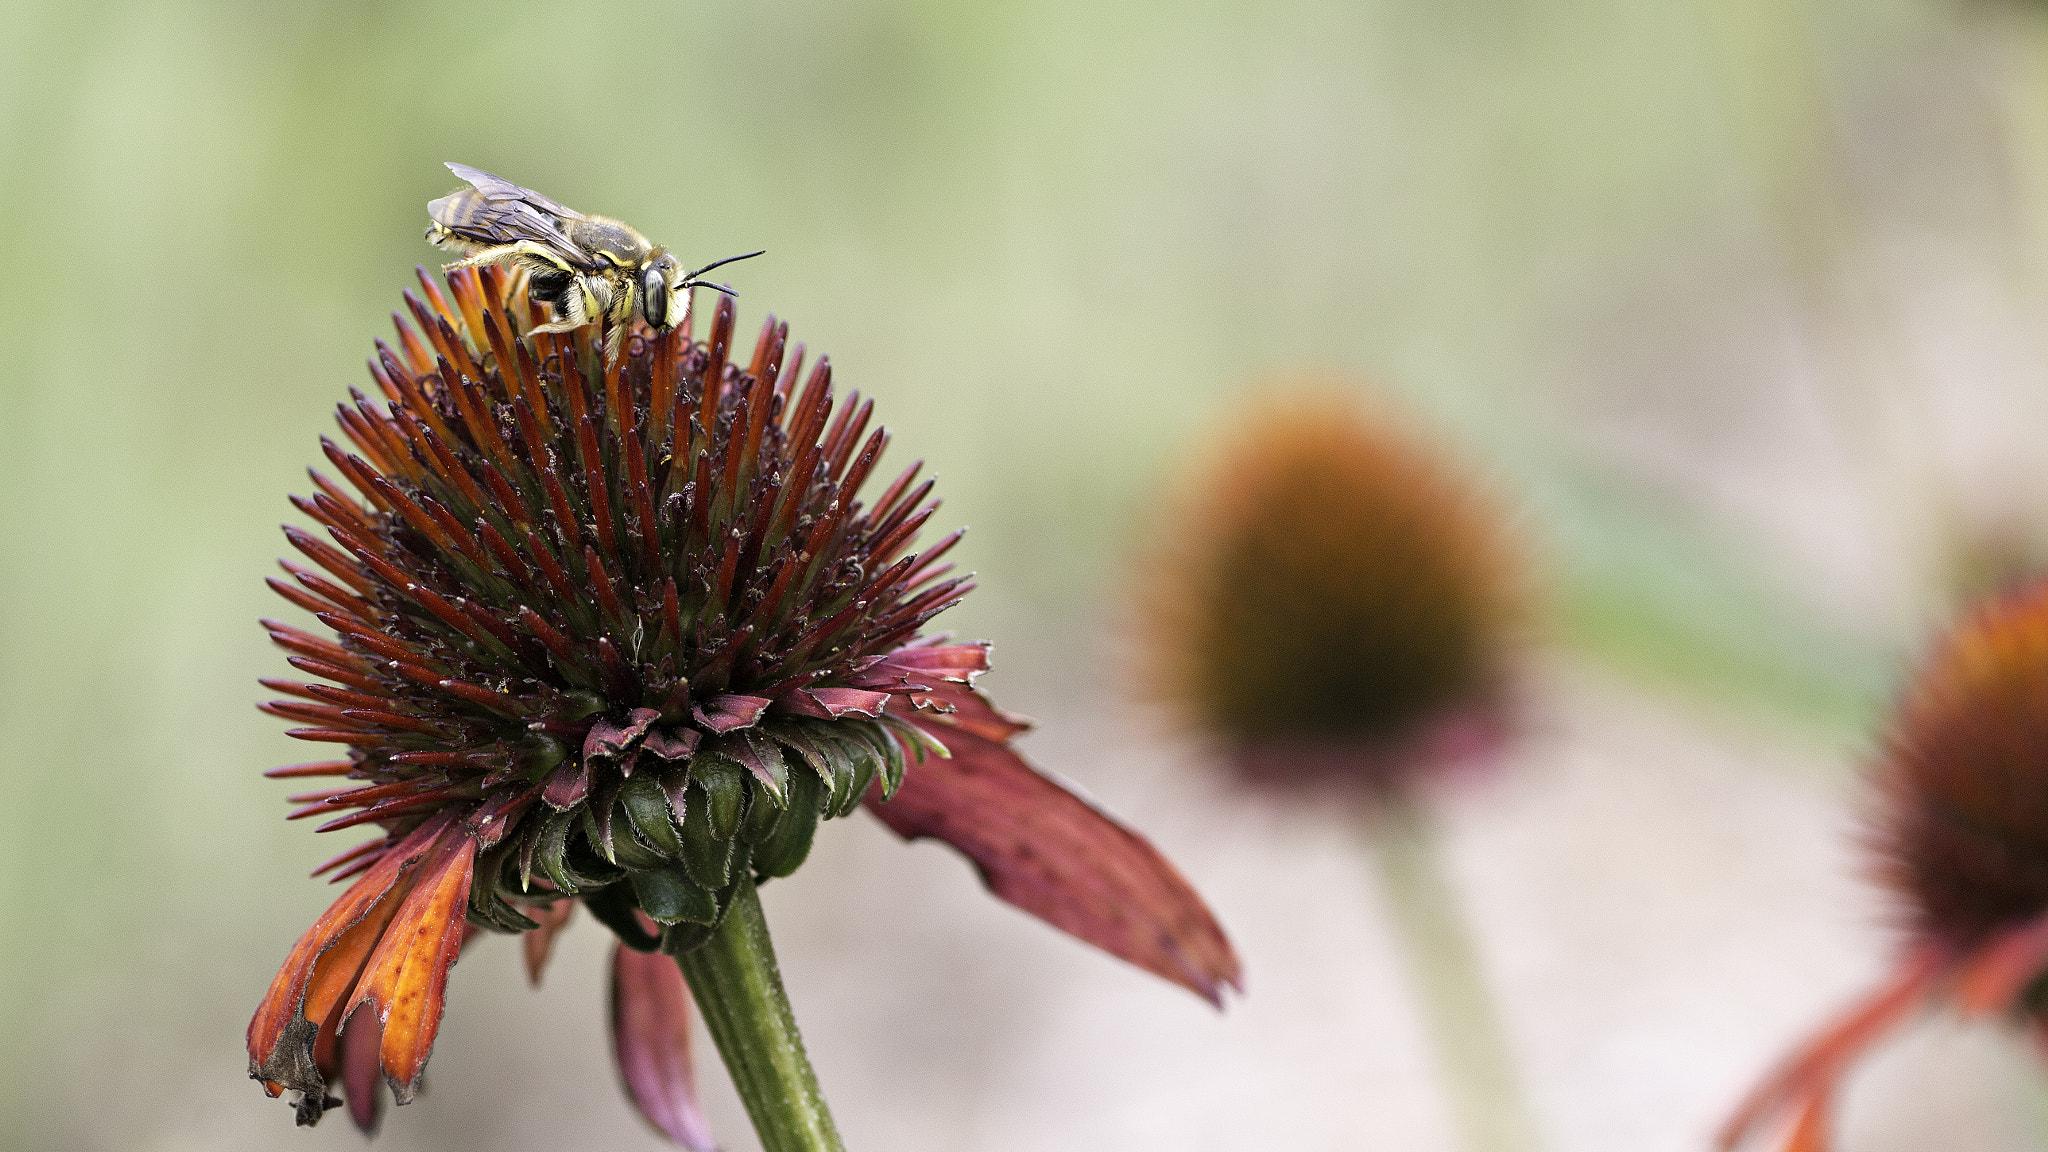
(623, 635)
(1333, 601)
(1334, 612)
(1959, 832)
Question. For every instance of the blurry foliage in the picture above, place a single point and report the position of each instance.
(1055, 237)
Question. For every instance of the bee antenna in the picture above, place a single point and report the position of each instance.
(722, 263)
(710, 285)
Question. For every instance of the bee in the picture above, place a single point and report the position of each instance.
(589, 269)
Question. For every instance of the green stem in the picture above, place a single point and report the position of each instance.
(1471, 1047)
(739, 989)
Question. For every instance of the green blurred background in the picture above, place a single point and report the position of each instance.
(1738, 302)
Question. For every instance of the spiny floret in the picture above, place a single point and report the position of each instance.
(630, 623)
(1961, 826)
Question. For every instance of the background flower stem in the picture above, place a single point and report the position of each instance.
(738, 987)
(1482, 1092)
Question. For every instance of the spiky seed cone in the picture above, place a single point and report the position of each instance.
(1961, 820)
(620, 634)
(1959, 832)
(1329, 591)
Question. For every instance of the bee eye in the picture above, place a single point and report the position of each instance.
(654, 298)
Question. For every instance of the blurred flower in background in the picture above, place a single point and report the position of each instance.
(1332, 598)
(1337, 608)
(1959, 828)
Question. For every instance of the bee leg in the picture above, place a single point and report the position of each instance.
(520, 252)
(618, 317)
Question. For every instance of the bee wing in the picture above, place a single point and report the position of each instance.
(498, 188)
(495, 212)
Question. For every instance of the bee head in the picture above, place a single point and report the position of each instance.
(662, 297)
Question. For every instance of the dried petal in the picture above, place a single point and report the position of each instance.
(323, 966)
(1052, 854)
(1812, 1071)
(406, 979)
(651, 1042)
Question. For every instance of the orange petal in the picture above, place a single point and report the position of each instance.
(539, 942)
(1810, 1131)
(1806, 1078)
(1991, 980)
(1054, 855)
(321, 968)
(406, 978)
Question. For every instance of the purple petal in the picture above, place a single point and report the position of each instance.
(568, 784)
(676, 745)
(839, 702)
(1052, 854)
(362, 1078)
(730, 712)
(651, 1041)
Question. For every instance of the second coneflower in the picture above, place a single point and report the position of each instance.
(1959, 828)
(1335, 602)
(1335, 610)
(623, 634)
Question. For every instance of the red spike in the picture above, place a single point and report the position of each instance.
(595, 484)
(885, 550)
(643, 501)
(321, 768)
(661, 387)
(354, 468)
(391, 720)
(344, 569)
(507, 556)
(353, 679)
(551, 568)
(417, 358)
(785, 382)
(368, 637)
(345, 698)
(557, 644)
(390, 807)
(870, 454)
(355, 853)
(509, 500)
(601, 583)
(484, 697)
(718, 347)
(447, 465)
(306, 600)
(886, 502)
(338, 736)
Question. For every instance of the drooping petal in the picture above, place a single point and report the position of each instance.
(361, 1086)
(539, 942)
(1810, 1131)
(1991, 980)
(1806, 1079)
(651, 1041)
(323, 966)
(406, 978)
(1054, 855)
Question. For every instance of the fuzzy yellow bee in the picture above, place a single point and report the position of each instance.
(589, 269)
